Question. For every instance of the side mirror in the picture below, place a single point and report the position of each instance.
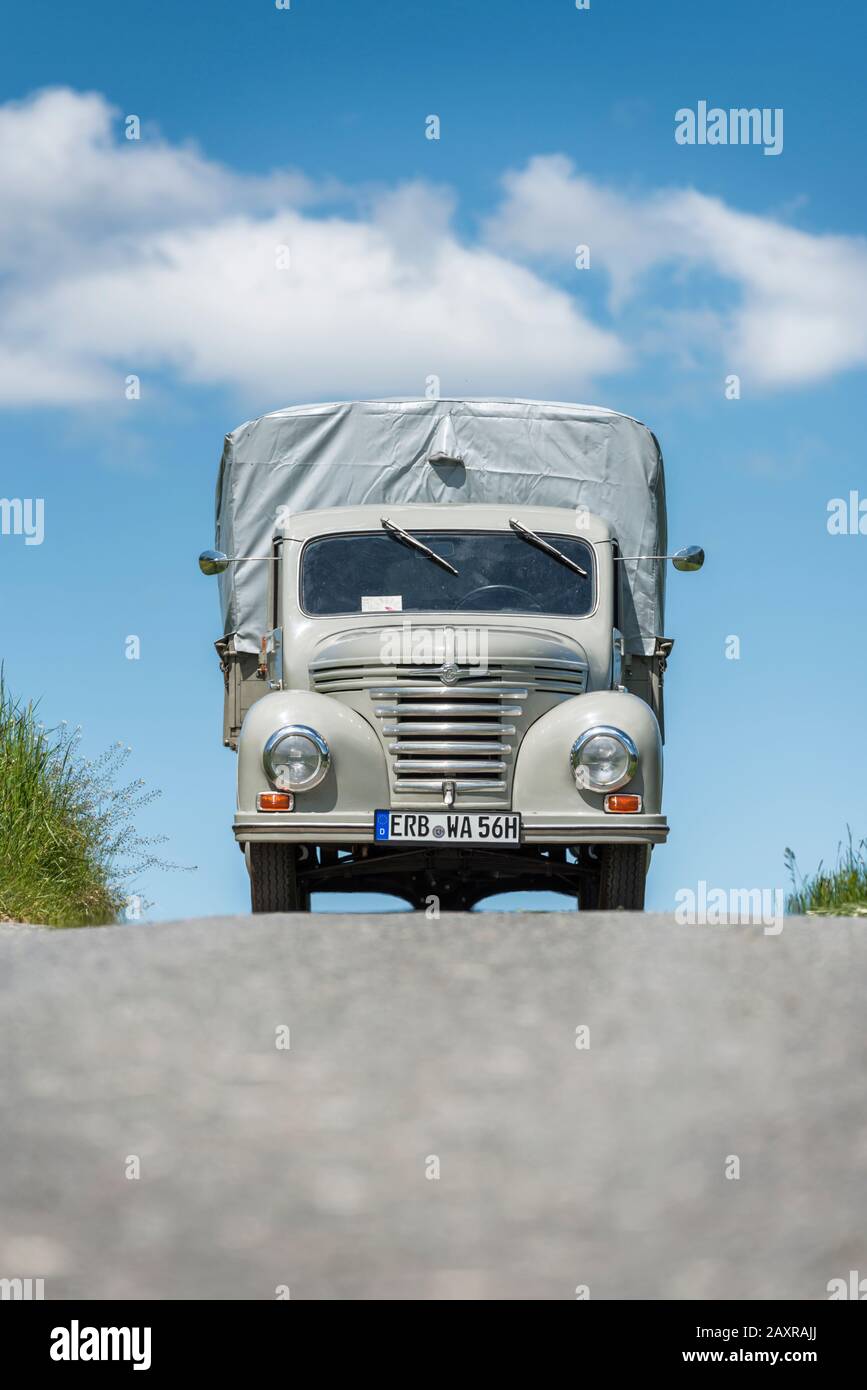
(213, 562)
(690, 558)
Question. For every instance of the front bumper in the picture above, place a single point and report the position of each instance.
(357, 829)
(340, 810)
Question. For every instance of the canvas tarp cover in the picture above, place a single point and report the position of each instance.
(515, 452)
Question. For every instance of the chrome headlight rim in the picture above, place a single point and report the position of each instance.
(609, 731)
(300, 731)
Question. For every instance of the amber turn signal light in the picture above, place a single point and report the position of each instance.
(622, 803)
(275, 801)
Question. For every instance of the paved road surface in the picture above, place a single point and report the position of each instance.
(416, 1042)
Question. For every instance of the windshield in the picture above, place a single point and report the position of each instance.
(497, 572)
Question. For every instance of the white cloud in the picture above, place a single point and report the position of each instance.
(121, 257)
(71, 181)
(801, 300)
(128, 257)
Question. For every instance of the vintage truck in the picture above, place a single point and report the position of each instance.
(442, 650)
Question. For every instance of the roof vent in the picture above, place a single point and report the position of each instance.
(444, 448)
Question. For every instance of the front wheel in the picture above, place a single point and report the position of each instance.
(622, 876)
(274, 883)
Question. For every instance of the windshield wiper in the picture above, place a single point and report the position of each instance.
(526, 534)
(416, 544)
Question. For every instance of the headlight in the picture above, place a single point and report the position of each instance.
(296, 759)
(603, 759)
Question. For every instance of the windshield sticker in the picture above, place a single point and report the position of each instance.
(382, 603)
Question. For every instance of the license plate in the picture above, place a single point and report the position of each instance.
(448, 827)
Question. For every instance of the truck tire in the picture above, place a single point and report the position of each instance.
(274, 880)
(622, 876)
(588, 896)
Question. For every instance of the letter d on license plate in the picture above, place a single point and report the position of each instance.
(447, 827)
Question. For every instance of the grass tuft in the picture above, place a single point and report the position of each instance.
(837, 892)
(68, 845)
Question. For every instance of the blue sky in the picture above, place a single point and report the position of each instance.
(456, 257)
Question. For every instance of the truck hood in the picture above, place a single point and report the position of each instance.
(453, 652)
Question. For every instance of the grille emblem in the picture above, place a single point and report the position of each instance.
(449, 675)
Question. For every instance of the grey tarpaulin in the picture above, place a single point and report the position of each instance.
(532, 452)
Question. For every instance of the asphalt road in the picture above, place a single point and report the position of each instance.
(417, 1046)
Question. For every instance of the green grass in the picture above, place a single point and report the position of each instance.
(837, 892)
(67, 842)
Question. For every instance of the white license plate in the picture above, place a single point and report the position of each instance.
(448, 827)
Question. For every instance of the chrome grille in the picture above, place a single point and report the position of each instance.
(558, 677)
(465, 732)
(466, 743)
